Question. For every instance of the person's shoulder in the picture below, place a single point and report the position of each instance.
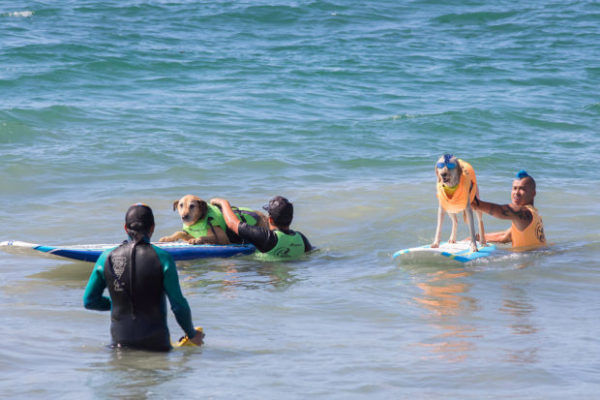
(163, 255)
(104, 255)
(307, 245)
(159, 250)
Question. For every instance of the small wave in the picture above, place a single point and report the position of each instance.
(593, 107)
(20, 14)
(479, 17)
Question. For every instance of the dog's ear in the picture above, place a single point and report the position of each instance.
(458, 168)
(175, 204)
(437, 173)
(202, 206)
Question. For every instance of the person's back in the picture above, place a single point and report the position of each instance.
(276, 243)
(139, 313)
(139, 277)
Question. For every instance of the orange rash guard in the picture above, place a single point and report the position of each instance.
(533, 235)
(457, 202)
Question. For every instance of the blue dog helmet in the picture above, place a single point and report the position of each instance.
(446, 162)
(522, 174)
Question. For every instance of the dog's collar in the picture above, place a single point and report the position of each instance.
(449, 190)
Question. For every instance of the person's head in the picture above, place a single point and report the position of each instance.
(523, 189)
(139, 221)
(281, 211)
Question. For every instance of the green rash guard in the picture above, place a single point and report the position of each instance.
(93, 298)
(289, 245)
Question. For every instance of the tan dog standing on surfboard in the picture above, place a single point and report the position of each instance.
(456, 189)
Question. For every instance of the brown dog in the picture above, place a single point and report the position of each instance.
(203, 223)
(194, 212)
(456, 188)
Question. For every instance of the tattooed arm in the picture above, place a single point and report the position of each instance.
(519, 215)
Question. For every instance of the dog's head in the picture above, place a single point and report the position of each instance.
(191, 209)
(448, 171)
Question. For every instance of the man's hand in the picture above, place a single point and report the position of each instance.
(230, 218)
(198, 338)
(218, 202)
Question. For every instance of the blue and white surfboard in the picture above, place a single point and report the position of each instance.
(447, 252)
(90, 252)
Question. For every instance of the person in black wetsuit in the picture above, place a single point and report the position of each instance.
(139, 276)
(279, 241)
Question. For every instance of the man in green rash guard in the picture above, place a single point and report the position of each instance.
(278, 242)
(138, 275)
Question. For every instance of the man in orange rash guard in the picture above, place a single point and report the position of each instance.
(527, 229)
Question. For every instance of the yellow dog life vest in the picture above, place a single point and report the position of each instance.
(457, 201)
(533, 235)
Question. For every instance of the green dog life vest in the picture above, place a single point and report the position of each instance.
(287, 247)
(214, 217)
(246, 215)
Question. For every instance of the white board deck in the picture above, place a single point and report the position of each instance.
(447, 252)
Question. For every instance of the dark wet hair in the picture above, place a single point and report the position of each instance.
(139, 221)
(281, 210)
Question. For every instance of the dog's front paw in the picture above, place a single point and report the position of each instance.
(165, 239)
(474, 248)
(452, 240)
(435, 245)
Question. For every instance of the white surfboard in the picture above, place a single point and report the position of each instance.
(447, 252)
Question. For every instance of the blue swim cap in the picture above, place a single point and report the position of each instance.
(522, 174)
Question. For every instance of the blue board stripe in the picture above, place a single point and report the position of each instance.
(179, 253)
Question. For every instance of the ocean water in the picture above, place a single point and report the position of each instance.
(343, 107)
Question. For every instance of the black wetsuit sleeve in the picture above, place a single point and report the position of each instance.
(263, 239)
(307, 245)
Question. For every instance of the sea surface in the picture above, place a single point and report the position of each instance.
(343, 107)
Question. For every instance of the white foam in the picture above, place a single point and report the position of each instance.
(23, 14)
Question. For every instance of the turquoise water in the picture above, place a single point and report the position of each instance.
(343, 107)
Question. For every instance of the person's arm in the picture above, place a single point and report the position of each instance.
(231, 219)
(520, 216)
(499, 237)
(307, 246)
(263, 239)
(179, 305)
(92, 297)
